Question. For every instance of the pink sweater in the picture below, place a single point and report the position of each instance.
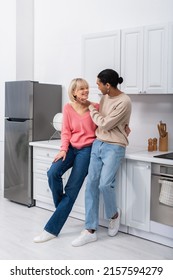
(77, 130)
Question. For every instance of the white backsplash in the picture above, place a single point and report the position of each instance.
(147, 112)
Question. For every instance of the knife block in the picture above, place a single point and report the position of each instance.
(163, 143)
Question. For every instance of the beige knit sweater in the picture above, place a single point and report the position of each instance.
(114, 113)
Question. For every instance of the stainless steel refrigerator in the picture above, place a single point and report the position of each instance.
(29, 111)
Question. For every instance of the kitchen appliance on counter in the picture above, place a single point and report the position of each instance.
(57, 124)
(29, 110)
(161, 212)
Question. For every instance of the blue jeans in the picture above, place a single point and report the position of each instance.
(65, 196)
(104, 164)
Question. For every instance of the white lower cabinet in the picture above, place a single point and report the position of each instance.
(42, 159)
(132, 190)
(132, 194)
(138, 194)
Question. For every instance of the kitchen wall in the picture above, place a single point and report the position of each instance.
(146, 114)
(55, 29)
(7, 61)
(16, 52)
(59, 27)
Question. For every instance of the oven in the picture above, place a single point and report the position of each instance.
(162, 194)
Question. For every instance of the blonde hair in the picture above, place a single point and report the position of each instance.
(76, 83)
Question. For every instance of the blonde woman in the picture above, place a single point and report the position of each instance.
(78, 134)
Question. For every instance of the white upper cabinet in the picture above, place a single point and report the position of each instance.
(100, 51)
(142, 55)
(144, 59)
(132, 60)
(170, 58)
(155, 59)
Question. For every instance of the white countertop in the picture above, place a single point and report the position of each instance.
(144, 155)
(135, 153)
(50, 144)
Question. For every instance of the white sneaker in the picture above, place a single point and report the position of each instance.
(114, 225)
(84, 238)
(43, 237)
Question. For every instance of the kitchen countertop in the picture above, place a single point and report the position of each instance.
(144, 155)
(134, 153)
(50, 144)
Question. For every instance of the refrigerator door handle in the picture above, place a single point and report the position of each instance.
(16, 119)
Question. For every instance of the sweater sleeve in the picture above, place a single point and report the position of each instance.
(110, 121)
(66, 131)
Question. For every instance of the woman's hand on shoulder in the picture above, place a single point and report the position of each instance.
(61, 154)
(127, 129)
(82, 101)
(96, 105)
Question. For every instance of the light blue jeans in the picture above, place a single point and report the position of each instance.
(64, 196)
(104, 163)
